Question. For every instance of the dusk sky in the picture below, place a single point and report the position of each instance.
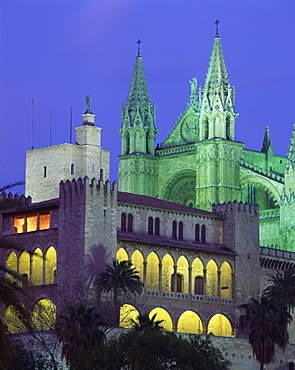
(57, 52)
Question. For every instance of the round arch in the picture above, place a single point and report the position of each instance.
(44, 314)
(220, 325)
(263, 184)
(190, 322)
(181, 188)
(152, 278)
(122, 255)
(137, 261)
(11, 319)
(167, 272)
(37, 267)
(127, 314)
(226, 282)
(164, 315)
(212, 279)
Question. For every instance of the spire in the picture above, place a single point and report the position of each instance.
(138, 92)
(217, 97)
(138, 121)
(266, 145)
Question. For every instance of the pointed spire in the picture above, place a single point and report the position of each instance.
(266, 145)
(217, 98)
(138, 92)
(217, 78)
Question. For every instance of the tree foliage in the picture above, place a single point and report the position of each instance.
(120, 277)
(267, 321)
(282, 288)
(80, 330)
(145, 323)
(153, 350)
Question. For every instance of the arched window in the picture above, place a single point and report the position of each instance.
(199, 285)
(157, 226)
(190, 322)
(44, 171)
(203, 234)
(101, 174)
(197, 233)
(122, 255)
(164, 315)
(37, 267)
(123, 222)
(24, 267)
(151, 226)
(226, 280)
(220, 325)
(174, 230)
(11, 264)
(44, 315)
(50, 266)
(147, 143)
(130, 223)
(128, 313)
(206, 128)
(72, 169)
(179, 283)
(180, 230)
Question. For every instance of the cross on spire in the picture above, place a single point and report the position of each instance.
(138, 46)
(217, 22)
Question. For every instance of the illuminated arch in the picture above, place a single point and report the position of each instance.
(152, 278)
(11, 319)
(137, 261)
(11, 264)
(44, 315)
(24, 267)
(190, 322)
(220, 325)
(37, 267)
(50, 266)
(181, 188)
(127, 314)
(164, 315)
(122, 255)
(197, 276)
(167, 272)
(182, 269)
(226, 283)
(211, 279)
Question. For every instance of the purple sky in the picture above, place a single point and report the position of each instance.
(57, 52)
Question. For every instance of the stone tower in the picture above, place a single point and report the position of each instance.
(137, 161)
(218, 155)
(46, 167)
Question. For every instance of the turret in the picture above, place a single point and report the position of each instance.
(218, 116)
(138, 114)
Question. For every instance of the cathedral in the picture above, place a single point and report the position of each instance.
(203, 219)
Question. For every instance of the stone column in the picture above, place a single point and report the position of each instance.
(175, 280)
(189, 280)
(219, 283)
(160, 276)
(205, 282)
(144, 274)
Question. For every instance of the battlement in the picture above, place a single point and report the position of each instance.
(18, 200)
(235, 206)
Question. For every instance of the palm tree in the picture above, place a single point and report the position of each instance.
(119, 278)
(145, 323)
(80, 330)
(283, 288)
(267, 321)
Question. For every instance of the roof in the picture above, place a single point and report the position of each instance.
(143, 200)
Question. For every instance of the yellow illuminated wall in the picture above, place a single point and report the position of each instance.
(50, 263)
(24, 267)
(152, 279)
(167, 272)
(162, 314)
(211, 279)
(122, 255)
(197, 272)
(226, 280)
(11, 263)
(37, 267)
(190, 322)
(127, 313)
(182, 269)
(137, 261)
(220, 325)
(44, 315)
(11, 319)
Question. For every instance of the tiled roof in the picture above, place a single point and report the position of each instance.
(174, 243)
(143, 200)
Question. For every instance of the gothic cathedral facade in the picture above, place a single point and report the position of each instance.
(200, 163)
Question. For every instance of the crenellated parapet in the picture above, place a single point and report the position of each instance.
(235, 206)
(18, 200)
